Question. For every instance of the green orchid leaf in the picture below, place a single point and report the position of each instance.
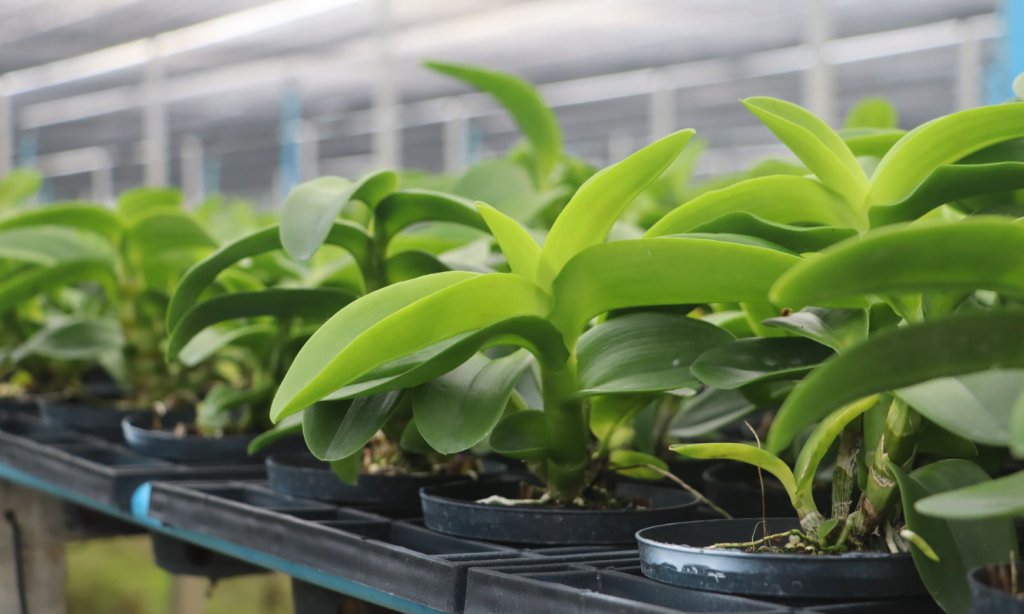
(821, 439)
(161, 230)
(72, 339)
(592, 211)
(213, 413)
(732, 320)
(630, 464)
(897, 358)
(872, 142)
(781, 199)
(744, 453)
(399, 210)
(709, 411)
(311, 209)
(396, 321)
(339, 429)
(977, 406)
(209, 341)
(348, 469)
(837, 328)
(24, 286)
(457, 410)
(411, 264)
(504, 184)
(947, 184)
(814, 143)
(412, 440)
(960, 257)
(940, 142)
(204, 273)
(750, 361)
(999, 498)
(961, 545)
(535, 119)
(1017, 428)
(643, 352)
(611, 418)
(520, 249)
(78, 216)
(522, 435)
(49, 245)
(18, 184)
(933, 440)
(139, 202)
(871, 112)
(661, 271)
(286, 428)
(279, 302)
(797, 239)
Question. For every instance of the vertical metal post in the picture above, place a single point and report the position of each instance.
(33, 573)
(102, 176)
(211, 174)
(155, 118)
(818, 86)
(661, 108)
(387, 138)
(6, 129)
(968, 74)
(192, 180)
(1013, 12)
(291, 123)
(309, 151)
(456, 135)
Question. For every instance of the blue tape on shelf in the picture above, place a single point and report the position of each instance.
(140, 502)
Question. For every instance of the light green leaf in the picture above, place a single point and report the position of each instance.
(79, 216)
(504, 184)
(1017, 428)
(745, 453)
(611, 418)
(536, 121)
(339, 429)
(592, 211)
(396, 321)
(135, 203)
(837, 328)
(871, 112)
(999, 498)
(798, 239)
(161, 230)
(820, 440)
(399, 210)
(940, 142)
(457, 410)
(964, 256)
(521, 251)
(311, 209)
(348, 469)
(286, 428)
(782, 199)
(817, 145)
(900, 357)
(411, 264)
(661, 271)
(72, 339)
(643, 352)
(624, 462)
(522, 434)
(17, 289)
(208, 342)
(18, 184)
(873, 142)
(748, 361)
(49, 245)
(961, 545)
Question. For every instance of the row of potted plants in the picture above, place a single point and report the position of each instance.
(848, 325)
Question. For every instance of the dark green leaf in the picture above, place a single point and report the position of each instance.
(748, 361)
(400, 210)
(836, 328)
(794, 238)
(625, 462)
(72, 339)
(709, 411)
(286, 428)
(337, 429)
(412, 264)
(522, 434)
(999, 498)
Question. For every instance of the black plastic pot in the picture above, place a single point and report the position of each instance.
(678, 554)
(141, 436)
(302, 475)
(986, 599)
(453, 509)
(94, 420)
(183, 558)
(736, 488)
(18, 405)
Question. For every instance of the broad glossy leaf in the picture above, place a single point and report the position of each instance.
(745, 453)
(748, 361)
(504, 184)
(412, 440)
(836, 328)
(138, 202)
(278, 302)
(817, 145)
(871, 112)
(782, 199)
(709, 411)
(72, 339)
(339, 429)
(643, 352)
(167, 230)
(661, 271)
(625, 462)
(536, 121)
(457, 410)
(947, 184)
(733, 320)
(400, 210)
(961, 545)
(794, 238)
(348, 469)
(999, 498)
(977, 406)
(311, 209)
(411, 264)
(964, 256)
(522, 434)
(22, 287)
(519, 248)
(286, 428)
(79, 216)
(208, 342)
(203, 274)
(940, 142)
(821, 439)
(592, 211)
(396, 321)
(899, 357)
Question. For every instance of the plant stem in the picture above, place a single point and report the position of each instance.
(843, 477)
(566, 429)
(897, 445)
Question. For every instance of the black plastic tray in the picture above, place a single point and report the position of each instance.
(94, 468)
(398, 557)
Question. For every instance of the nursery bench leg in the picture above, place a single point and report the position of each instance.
(31, 551)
